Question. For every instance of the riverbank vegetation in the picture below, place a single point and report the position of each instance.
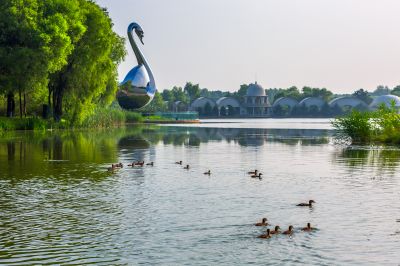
(379, 126)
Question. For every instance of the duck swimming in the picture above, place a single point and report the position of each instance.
(253, 173)
(308, 228)
(140, 163)
(263, 222)
(180, 162)
(208, 172)
(150, 164)
(289, 231)
(309, 204)
(186, 167)
(257, 176)
(276, 231)
(267, 235)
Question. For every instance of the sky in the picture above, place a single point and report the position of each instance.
(342, 45)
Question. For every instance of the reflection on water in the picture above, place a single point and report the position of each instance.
(59, 205)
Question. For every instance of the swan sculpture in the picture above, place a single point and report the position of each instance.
(138, 88)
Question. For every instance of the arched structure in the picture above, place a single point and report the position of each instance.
(285, 101)
(228, 106)
(348, 102)
(386, 100)
(312, 101)
(204, 105)
(256, 101)
(180, 106)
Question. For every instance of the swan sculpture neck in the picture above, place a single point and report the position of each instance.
(138, 53)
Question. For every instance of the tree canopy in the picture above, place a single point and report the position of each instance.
(55, 48)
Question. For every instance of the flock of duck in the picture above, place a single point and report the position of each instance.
(254, 174)
(269, 233)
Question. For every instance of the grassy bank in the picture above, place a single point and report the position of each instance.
(373, 127)
(101, 118)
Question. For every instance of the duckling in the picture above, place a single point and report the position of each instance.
(257, 176)
(276, 231)
(140, 163)
(150, 164)
(208, 172)
(263, 222)
(131, 164)
(112, 168)
(253, 173)
(117, 165)
(267, 235)
(289, 231)
(309, 204)
(180, 162)
(308, 228)
(186, 167)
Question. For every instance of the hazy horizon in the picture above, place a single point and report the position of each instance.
(342, 45)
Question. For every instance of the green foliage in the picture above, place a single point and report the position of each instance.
(104, 118)
(363, 95)
(356, 125)
(382, 126)
(156, 105)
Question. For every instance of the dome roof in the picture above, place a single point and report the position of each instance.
(255, 90)
(387, 100)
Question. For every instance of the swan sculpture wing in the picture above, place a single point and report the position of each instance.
(138, 88)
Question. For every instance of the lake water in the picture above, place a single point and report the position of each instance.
(60, 205)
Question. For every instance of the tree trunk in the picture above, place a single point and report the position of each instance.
(58, 94)
(20, 104)
(25, 104)
(10, 104)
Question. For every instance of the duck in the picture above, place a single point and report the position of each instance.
(180, 162)
(267, 235)
(112, 168)
(276, 231)
(186, 167)
(308, 228)
(263, 222)
(131, 164)
(309, 204)
(257, 176)
(150, 164)
(140, 163)
(253, 173)
(289, 231)
(208, 172)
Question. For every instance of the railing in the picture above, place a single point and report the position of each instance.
(176, 115)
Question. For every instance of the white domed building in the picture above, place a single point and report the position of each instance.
(256, 102)
(386, 100)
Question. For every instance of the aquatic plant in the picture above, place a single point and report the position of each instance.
(379, 126)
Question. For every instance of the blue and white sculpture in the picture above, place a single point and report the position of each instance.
(138, 88)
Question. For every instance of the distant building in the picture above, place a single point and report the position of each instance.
(256, 101)
(254, 104)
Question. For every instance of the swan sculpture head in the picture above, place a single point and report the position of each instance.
(138, 88)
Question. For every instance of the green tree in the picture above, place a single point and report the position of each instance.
(34, 42)
(363, 95)
(90, 77)
(193, 91)
(396, 90)
(157, 104)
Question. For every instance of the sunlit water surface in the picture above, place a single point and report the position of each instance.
(59, 204)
